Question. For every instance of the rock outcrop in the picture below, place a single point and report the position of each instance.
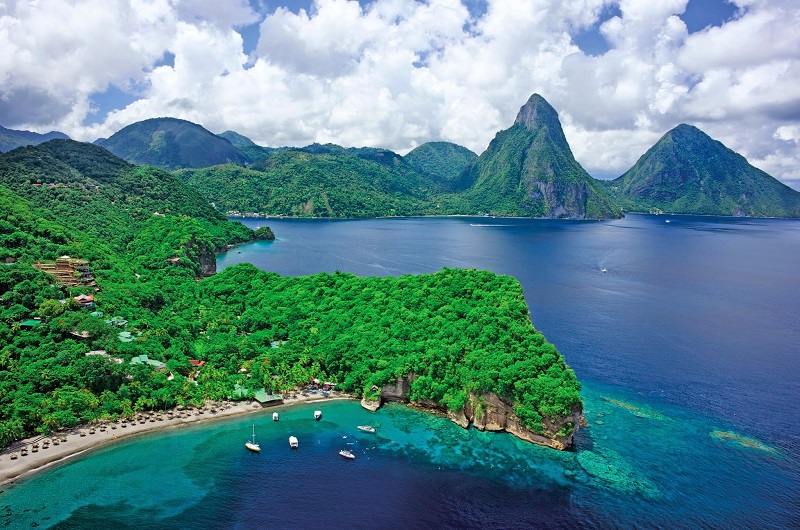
(486, 412)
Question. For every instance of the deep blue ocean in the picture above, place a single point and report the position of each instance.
(688, 348)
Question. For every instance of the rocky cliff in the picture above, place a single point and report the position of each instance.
(486, 412)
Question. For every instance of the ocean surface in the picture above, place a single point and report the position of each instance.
(688, 348)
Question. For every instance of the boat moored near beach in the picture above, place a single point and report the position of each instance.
(251, 444)
(293, 442)
(275, 416)
(317, 415)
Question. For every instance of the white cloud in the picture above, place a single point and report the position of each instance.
(396, 73)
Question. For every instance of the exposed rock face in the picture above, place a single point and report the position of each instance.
(202, 257)
(397, 392)
(371, 404)
(497, 415)
(208, 261)
(487, 412)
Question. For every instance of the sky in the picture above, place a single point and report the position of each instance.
(399, 73)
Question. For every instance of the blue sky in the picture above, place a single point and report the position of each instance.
(398, 73)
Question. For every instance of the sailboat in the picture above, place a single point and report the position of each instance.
(251, 443)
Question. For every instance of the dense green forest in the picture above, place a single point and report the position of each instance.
(443, 160)
(458, 331)
(325, 181)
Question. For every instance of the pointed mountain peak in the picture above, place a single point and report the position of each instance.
(687, 137)
(686, 131)
(535, 112)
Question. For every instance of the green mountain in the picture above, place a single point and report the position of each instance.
(320, 181)
(90, 191)
(444, 160)
(170, 143)
(11, 139)
(246, 146)
(688, 172)
(529, 170)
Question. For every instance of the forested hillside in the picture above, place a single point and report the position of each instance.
(687, 171)
(320, 181)
(444, 160)
(529, 170)
(459, 332)
(170, 143)
(246, 146)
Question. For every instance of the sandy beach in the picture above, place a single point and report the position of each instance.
(32, 455)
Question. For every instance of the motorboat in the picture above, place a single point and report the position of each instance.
(366, 428)
(275, 416)
(317, 415)
(293, 442)
(347, 454)
(603, 270)
(251, 443)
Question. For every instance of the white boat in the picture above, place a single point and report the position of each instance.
(274, 416)
(366, 428)
(251, 443)
(347, 454)
(603, 270)
(317, 415)
(293, 442)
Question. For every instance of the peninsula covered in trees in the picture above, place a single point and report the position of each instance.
(144, 243)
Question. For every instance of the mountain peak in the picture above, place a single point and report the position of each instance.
(171, 143)
(687, 171)
(535, 112)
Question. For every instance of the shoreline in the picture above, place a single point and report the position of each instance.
(86, 438)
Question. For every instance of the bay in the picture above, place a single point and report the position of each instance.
(686, 346)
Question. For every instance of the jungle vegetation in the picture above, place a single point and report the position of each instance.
(458, 331)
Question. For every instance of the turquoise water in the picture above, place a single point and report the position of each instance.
(687, 348)
(635, 466)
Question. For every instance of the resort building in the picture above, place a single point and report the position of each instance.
(68, 271)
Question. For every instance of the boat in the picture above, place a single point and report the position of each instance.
(274, 416)
(293, 442)
(603, 270)
(366, 428)
(347, 454)
(317, 415)
(251, 443)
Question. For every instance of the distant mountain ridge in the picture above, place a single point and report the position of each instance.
(529, 170)
(170, 143)
(687, 171)
(11, 139)
(319, 181)
(251, 151)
